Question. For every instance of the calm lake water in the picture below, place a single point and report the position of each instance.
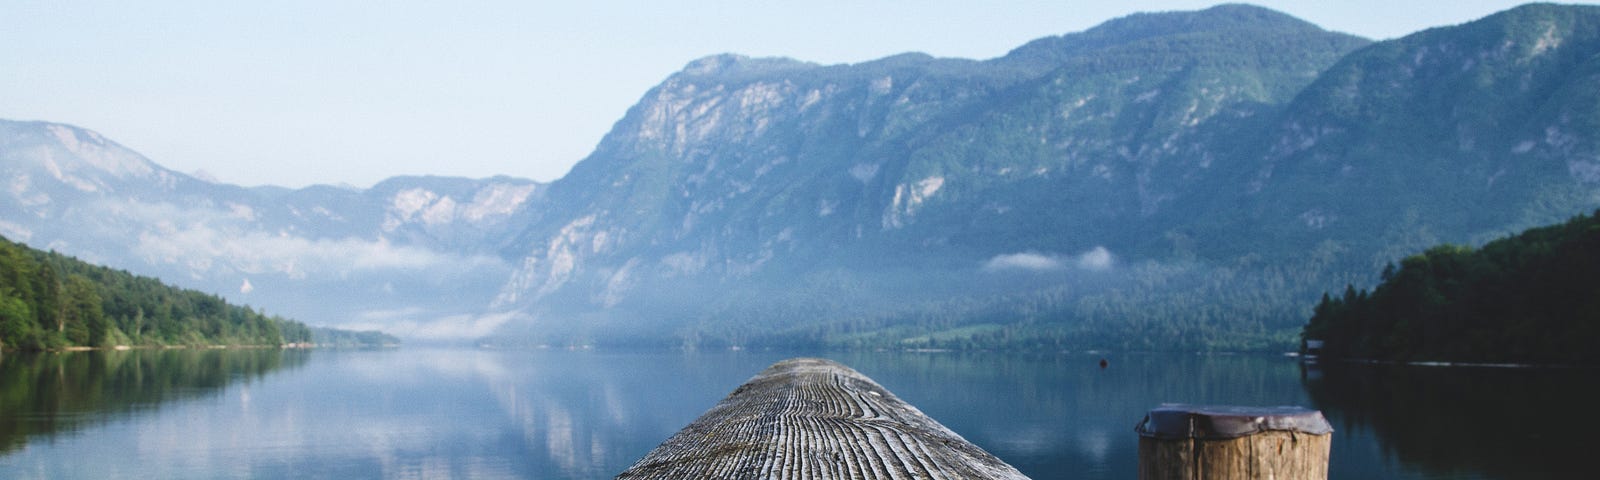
(417, 413)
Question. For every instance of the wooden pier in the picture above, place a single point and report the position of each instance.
(816, 419)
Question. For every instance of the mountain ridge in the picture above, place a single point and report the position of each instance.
(1166, 180)
(75, 191)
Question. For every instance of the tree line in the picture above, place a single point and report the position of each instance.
(1533, 297)
(51, 301)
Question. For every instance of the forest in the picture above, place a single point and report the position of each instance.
(1530, 298)
(52, 301)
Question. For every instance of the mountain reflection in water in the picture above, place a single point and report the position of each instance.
(590, 414)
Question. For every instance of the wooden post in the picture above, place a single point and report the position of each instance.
(1189, 442)
(816, 419)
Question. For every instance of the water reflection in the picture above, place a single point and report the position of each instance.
(43, 394)
(555, 414)
(1062, 416)
(363, 414)
(1467, 421)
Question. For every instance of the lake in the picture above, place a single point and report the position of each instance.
(421, 413)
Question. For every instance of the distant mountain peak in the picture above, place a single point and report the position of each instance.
(78, 157)
(1544, 8)
(1224, 17)
(1543, 26)
(204, 176)
(1229, 20)
(726, 64)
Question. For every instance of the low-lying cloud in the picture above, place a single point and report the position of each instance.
(417, 323)
(1097, 259)
(209, 241)
(201, 247)
(1028, 261)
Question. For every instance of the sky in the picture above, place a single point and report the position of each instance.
(300, 92)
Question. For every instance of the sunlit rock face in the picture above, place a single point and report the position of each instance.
(738, 172)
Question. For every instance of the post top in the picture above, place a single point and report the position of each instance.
(1176, 421)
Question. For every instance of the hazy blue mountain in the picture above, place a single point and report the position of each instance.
(1169, 180)
(410, 249)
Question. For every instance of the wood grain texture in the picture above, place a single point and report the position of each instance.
(809, 418)
(1279, 455)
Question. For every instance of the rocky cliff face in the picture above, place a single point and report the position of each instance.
(738, 166)
(1234, 136)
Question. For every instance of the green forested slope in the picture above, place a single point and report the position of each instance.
(49, 300)
(1534, 297)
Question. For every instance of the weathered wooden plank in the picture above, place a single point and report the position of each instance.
(809, 418)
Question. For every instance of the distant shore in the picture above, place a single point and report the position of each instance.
(1435, 363)
(286, 346)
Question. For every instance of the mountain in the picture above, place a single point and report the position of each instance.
(410, 249)
(757, 174)
(1165, 180)
(1463, 134)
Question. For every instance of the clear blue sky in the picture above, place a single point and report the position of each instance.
(299, 92)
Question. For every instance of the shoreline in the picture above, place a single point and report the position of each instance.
(1446, 364)
(119, 348)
